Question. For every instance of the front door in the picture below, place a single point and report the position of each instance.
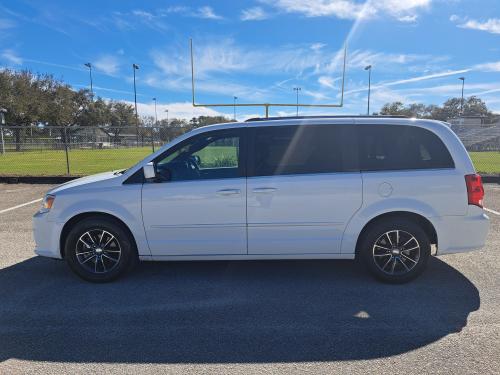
(303, 187)
(198, 206)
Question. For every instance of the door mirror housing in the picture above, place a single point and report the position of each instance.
(149, 171)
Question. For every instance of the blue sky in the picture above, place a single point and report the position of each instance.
(259, 50)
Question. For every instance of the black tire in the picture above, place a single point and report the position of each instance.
(93, 255)
(383, 235)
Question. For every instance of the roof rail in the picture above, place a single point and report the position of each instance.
(312, 117)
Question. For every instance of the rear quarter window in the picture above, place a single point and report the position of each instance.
(398, 147)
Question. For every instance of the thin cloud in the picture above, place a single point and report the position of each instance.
(411, 80)
(12, 57)
(180, 110)
(143, 14)
(328, 82)
(491, 25)
(409, 19)
(488, 67)
(207, 12)
(404, 11)
(427, 77)
(253, 14)
(317, 46)
(107, 64)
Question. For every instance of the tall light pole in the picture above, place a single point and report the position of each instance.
(297, 89)
(89, 65)
(156, 115)
(234, 107)
(134, 68)
(369, 68)
(154, 128)
(462, 101)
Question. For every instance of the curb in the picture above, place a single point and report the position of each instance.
(36, 179)
(490, 179)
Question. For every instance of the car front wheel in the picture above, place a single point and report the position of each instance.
(99, 249)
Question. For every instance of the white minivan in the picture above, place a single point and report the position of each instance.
(379, 189)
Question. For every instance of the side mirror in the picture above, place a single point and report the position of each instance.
(149, 171)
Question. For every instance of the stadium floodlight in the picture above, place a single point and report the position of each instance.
(462, 100)
(265, 105)
(369, 68)
(89, 65)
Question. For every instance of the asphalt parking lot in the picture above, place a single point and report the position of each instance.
(312, 317)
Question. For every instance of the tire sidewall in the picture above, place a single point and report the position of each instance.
(373, 234)
(127, 249)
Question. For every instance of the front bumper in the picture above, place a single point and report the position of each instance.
(46, 234)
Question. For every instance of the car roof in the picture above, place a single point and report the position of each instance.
(327, 120)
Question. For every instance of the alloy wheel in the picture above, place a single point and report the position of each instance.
(396, 252)
(98, 251)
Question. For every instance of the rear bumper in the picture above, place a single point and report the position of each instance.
(457, 234)
(46, 234)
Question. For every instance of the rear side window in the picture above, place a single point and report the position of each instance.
(286, 150)
(393, 147)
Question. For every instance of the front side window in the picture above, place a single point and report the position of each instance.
(396, 147)
(213, 155)
(304, 149)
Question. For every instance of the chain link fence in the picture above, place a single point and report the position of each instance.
(78, 151)
(56, 151)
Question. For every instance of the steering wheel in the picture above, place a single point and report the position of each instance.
(192, 165)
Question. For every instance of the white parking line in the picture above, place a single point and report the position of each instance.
(492, 211)
(20, 205)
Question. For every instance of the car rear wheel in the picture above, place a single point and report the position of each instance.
(395, 250)
(99, 249)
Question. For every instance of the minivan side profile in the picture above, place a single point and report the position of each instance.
(385, 191)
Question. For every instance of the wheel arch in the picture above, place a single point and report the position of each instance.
(420, 220)
(84, 215)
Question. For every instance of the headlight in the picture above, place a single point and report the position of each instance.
(47, 203)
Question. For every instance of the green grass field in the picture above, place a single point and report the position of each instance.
(486, 162)
(85, 162)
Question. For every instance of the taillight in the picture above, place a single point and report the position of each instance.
(475, 191)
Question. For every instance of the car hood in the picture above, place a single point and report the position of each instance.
(84, 181)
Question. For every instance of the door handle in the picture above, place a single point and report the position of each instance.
(264, 190)
(226, 192)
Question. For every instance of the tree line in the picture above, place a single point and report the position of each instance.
(41, 100)
(452, 108)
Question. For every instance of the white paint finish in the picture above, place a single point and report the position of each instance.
(199, 217)
(300, 214)
(103, 193)
(440, 191)
(458, 234)
(429, 193)
(292, 217)
(46, 234)
(20, 206)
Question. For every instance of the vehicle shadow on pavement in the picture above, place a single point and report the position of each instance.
(226, 312)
